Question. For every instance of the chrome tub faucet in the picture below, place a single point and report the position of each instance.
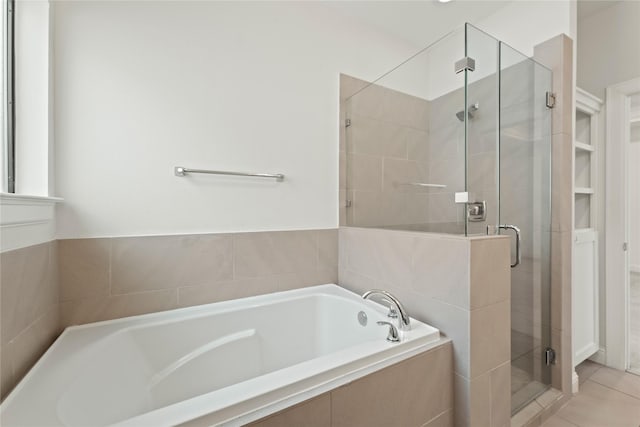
(396, 309)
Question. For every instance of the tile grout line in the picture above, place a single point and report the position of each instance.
(437, 416)
(146, 291)
(561, 417)
(614, 389)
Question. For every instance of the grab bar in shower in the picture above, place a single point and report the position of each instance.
(182, 171)
(422, 184)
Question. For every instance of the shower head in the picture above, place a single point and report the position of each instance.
(470, 112)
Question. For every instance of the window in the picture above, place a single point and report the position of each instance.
(8, 101)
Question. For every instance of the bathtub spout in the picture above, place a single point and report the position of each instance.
(404, 322)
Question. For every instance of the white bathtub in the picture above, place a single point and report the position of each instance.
(225, 363)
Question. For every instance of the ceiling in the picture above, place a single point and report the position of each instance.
(418, 22)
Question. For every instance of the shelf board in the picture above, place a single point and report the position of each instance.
(583, 190)
(585, 147)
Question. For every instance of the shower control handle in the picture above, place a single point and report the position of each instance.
(518, 241)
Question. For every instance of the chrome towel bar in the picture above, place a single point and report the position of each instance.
(182, 171)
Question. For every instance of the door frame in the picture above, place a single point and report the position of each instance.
(617, 222)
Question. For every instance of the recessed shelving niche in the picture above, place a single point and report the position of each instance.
(585, 233)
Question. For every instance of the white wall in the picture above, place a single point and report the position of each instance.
(144, 86)
(609, 47)
(522, 24)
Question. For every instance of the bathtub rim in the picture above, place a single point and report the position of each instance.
(172, 415)
(239, 416)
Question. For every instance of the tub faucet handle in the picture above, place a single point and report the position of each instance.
(393, 336)
(393, 313)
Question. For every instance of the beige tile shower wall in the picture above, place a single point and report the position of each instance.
(397, 138)
(557, 54)
(383, 150)
(461, 286)
(103, 279)
(446, 152)
(29, 309)
(447, 148)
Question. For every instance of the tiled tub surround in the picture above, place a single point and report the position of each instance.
(406, 388)
(458, 284)
(108, 278)
(47, 287)
(29, 309)
(229, 362)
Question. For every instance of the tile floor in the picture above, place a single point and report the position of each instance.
(607, 398)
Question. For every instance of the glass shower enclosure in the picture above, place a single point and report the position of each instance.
(457, 140)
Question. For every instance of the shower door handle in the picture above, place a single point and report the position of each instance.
(518, 240)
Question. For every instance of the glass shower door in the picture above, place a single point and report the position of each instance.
(508, 134)
(525, 201)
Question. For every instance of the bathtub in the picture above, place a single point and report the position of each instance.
(226, 363)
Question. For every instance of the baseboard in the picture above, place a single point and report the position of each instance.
(599, 356)
(575, 382)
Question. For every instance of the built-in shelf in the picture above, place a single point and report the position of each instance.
(585, 147)
(585, 292)
(583, 190)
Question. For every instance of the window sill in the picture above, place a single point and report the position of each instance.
(26, 220)
(23, 199)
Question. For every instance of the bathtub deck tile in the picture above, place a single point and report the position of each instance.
(407, 387)
(315, 412)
